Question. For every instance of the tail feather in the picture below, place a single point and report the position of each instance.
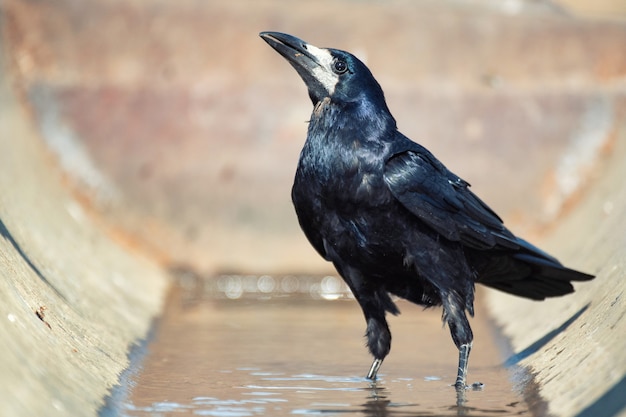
(530, 273)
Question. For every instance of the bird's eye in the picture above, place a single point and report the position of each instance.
(340, 66)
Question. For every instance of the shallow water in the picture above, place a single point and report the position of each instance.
(264, 353)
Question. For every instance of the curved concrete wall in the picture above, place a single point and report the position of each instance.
(72, 300)
(575, 346)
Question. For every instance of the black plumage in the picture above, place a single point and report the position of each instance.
(391, 217)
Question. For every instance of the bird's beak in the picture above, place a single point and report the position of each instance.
(311, 63)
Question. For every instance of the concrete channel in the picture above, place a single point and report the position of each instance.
(137, 136)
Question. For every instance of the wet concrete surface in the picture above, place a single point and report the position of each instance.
(297, 354)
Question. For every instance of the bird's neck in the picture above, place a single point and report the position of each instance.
(359, 120)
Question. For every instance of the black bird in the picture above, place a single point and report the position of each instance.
(391, 217)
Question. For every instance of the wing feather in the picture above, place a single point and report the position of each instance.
(444, 201)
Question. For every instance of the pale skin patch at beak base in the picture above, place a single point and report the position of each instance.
(324, 73)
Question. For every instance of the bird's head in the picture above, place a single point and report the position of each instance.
(328, 73)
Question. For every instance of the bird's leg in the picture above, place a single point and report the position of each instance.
(461, 332)
(371, 375)
(374, 304)
(464, 351)
(378, 341)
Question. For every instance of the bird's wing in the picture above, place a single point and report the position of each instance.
(444, 201)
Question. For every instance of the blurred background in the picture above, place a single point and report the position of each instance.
(179, 128)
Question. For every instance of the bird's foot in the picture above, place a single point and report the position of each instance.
(476, 386)
(371, 375)
(460, 386)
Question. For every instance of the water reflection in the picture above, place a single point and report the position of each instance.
(328, 396)
(297, 354)
(236, 286)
